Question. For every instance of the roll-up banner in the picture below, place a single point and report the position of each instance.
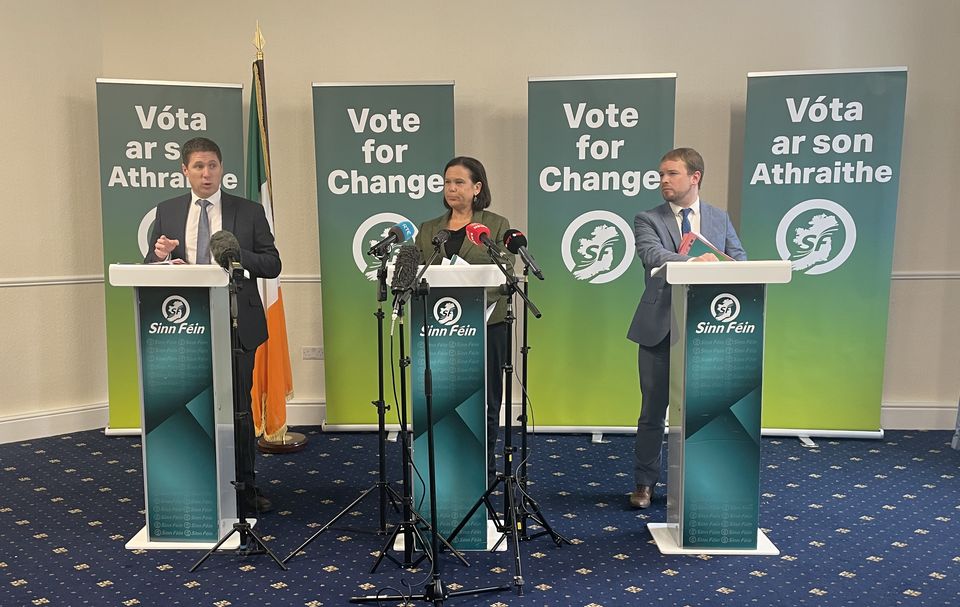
(820, 185)
(381, 149)
(142, 125)
(595, 144)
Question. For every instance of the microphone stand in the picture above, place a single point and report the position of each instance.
(382, 487)
(241, 411)
(508, 526)
(530, 509)
(434, 592)
(411, 517)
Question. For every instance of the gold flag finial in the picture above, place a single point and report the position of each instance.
(258, 42)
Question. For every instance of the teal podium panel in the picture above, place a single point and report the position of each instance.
(183, 348)
(456, 326)
(716, 380)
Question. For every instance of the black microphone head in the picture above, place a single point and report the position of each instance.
(441, 237)
(405, 269)
(224, 248)
(397, 232)
(513, 240)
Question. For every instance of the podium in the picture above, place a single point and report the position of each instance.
(186, 403)
(456, 318)
(716, 373)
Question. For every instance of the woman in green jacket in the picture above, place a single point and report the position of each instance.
(466, 196)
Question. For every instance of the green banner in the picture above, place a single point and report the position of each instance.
(457, 360)
(142, 125)
(820, 185)
(380, 156)
(594, 151)
(179, 430)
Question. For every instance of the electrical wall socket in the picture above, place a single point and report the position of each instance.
(313, 353)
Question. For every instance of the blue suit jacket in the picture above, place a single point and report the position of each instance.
(658, 236)
(259, 256)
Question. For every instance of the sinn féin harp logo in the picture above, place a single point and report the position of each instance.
(816, 236)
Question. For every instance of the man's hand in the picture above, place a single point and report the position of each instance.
(164, 246)
(706, 257)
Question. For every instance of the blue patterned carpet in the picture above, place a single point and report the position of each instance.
(857, 523)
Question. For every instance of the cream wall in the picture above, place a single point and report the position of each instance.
(53, 333)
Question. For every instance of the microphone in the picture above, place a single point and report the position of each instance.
(479, 234)
(224, 248)
(516, 242)
(442, 237)
(404, 273)
(398, 233)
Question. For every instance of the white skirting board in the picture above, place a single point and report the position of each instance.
(38, 424)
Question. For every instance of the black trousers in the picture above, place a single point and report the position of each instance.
(497, 338)
(246, 450)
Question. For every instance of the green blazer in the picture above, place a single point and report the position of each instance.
(470, 252)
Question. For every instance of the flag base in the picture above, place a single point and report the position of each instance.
(291, 443)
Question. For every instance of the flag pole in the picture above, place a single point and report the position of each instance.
(289, 441)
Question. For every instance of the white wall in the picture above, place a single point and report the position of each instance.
(53, 355)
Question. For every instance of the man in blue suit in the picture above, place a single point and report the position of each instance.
(658, 234)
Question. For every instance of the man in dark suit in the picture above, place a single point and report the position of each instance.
(658, 234)
(181, 233)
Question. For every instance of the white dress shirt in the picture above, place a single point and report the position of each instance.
(214, 213)
(694, 216)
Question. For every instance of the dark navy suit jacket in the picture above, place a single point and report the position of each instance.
(259, 256)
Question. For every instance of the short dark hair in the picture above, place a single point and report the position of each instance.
(688, 156)
(478, 174)
(199, 144)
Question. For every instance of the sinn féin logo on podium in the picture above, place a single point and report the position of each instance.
(816, 236)
(447, 311)
(725, 307)
(374, 229)
(176, 309)
(597, 246)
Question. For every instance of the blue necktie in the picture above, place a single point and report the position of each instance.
(203, 233)
(685, 220)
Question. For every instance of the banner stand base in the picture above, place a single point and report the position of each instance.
(142, 541)
(664, 534)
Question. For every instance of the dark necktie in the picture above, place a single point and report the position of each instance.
(203, 233)
(685, 220)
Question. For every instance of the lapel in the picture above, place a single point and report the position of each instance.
(466, 247)
(228, 212)
(708, 224)
(181, 211)
(668, 218)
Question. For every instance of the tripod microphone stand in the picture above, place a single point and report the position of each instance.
(434, 592)
(529, 508)
(509, 525)
(242, 447)
(411, 517)
(382, 487)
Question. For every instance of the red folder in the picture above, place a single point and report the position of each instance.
(695, 245)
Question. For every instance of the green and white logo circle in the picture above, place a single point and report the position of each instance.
(447, 311)
(725, 307)
(598, 246)
(817, 236)
(371, 231)
(175, 309)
